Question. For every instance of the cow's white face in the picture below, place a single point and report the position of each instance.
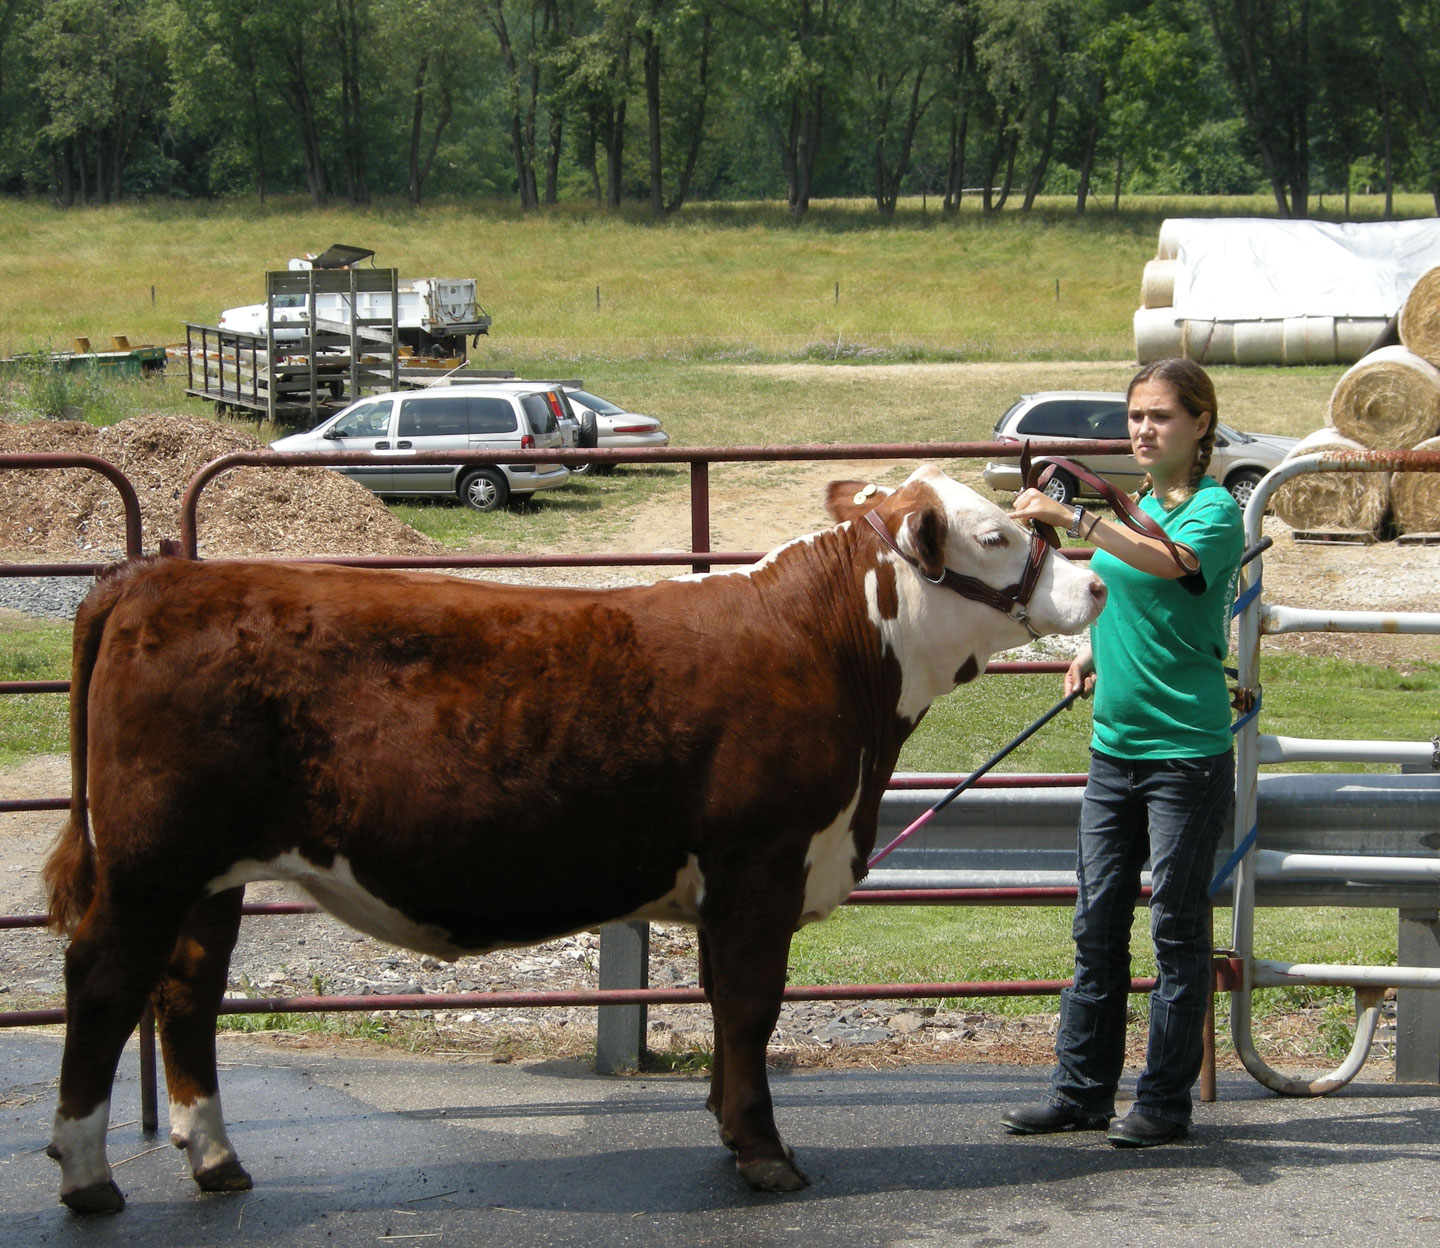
(940, 637)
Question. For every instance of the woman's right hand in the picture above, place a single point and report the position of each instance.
(1081, 674)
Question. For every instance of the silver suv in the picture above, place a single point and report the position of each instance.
(1238, 462)
(444, 418)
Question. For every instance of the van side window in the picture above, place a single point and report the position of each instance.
(370, 421)
(541, 415)
(491, 415)
(434, 414)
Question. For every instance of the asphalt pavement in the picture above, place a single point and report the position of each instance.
(375, 1147)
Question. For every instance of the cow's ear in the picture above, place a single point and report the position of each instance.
(922, 537)
(849, 500)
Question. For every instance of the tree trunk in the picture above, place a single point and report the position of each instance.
(1047, 145)
(417, 117)
(1087, 162)
(955, 172)
(652, 116)
(615, 155)
(257, 131)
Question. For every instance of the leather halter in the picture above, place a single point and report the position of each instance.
(1013, 600)
(1126, 510)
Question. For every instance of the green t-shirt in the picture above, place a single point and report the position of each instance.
(1160, 644)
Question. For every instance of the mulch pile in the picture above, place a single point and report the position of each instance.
(246, 511)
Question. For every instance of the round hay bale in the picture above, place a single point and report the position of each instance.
(1259, 342)
(1208, 342)
(1390, 400)
(1415, 497)
(1157, 284)
(1157, 334)
(1309, 340)
(1168, 246)
(1420, 316)
(1355, 336)
(1332, 502)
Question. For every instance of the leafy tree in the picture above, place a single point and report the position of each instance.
(894, 52)
(99, 82)
(1265, 48)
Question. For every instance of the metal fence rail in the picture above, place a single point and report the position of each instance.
(1009, 841)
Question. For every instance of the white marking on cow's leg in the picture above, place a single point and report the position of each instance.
(78, 1144)
(199, 1129)
(830, 863)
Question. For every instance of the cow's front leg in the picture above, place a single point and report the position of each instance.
(187, 1002)
(747, 958)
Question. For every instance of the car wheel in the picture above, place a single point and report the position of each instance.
(1061, 487)
(1242, 484)
(485, 489)
(582, 470)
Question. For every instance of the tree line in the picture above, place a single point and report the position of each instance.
(658, 102)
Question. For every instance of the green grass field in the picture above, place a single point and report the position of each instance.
(726, 322)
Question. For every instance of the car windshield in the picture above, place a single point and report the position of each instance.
(596, 404)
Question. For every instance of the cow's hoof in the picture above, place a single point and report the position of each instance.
(774, 1174)
(97, 1198)
(228, 1176)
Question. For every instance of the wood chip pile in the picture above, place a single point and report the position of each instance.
(248, 511)
(1389, 400)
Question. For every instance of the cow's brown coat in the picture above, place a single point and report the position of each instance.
(496, 764)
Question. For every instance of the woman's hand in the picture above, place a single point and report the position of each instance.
(1032, 504)
(1081, 674)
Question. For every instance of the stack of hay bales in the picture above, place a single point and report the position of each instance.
(1159, 332)
(1388, 401)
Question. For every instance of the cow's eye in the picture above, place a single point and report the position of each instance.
(993, 538)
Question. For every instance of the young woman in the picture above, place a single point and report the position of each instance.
(1162, 772)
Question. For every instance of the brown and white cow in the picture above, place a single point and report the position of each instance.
(457, 766)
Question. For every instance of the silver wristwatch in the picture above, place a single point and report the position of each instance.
(1074, 529)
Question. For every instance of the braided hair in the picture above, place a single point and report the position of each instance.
(1196, 394)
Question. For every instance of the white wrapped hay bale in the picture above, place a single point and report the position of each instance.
(1171, 230)
(1309, 340)
(1209, 342)
(1420, 316)
(1332, 502)
(1415, 497)
(1355, 335)
(1390, 400)
(1259, 342)
(1157, 334)
(1157, 284)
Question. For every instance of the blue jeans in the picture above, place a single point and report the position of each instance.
(1172, 812)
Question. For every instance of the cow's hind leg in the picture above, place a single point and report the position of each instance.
(746, 958)
(715, 1101)
(187, 1001)
(111, 965)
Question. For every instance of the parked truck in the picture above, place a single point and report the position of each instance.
(434, 315)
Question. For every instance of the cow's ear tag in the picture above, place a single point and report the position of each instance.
(867, 492)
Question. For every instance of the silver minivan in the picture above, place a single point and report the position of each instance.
(444, 418)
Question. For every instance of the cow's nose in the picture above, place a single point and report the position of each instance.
(1098, 592)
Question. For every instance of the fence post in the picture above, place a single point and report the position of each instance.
(1417, 1011)
(620, 1029)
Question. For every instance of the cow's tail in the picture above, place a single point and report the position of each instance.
(70, 869)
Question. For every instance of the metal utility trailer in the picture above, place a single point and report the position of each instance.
(305, 376)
